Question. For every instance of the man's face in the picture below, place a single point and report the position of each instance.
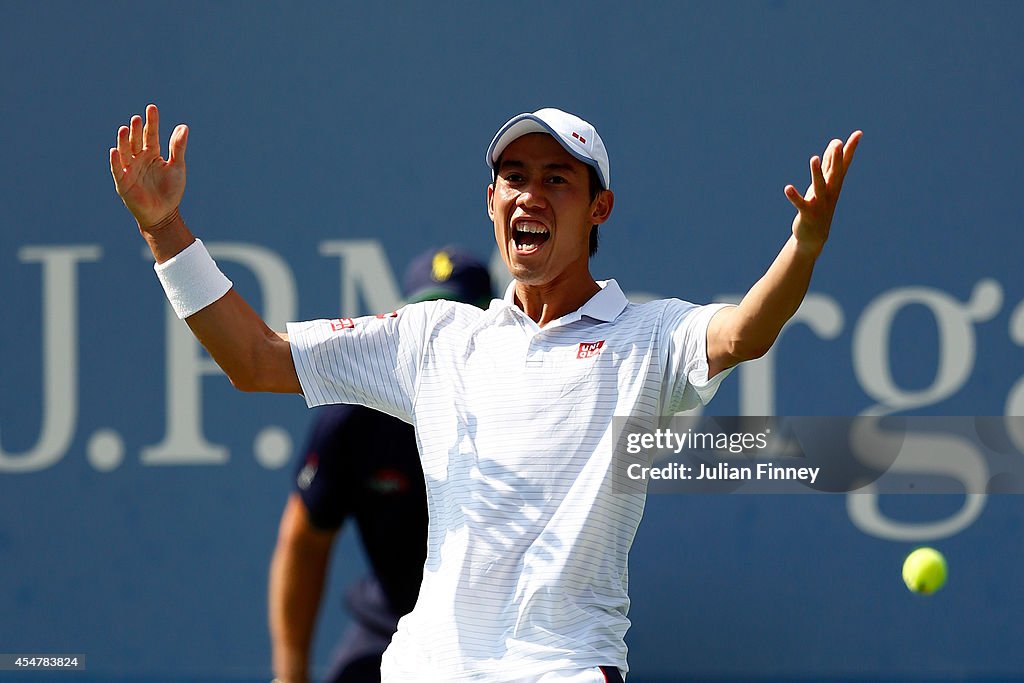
(542, 213)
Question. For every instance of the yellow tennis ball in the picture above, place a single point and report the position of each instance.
(924, 570)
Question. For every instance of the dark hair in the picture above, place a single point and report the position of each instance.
(594, 185)
(595, 190)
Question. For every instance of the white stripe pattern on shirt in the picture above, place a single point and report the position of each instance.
(528, 542)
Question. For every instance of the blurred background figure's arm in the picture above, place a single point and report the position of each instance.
(297, 572)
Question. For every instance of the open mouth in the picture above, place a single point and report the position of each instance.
(529, 236)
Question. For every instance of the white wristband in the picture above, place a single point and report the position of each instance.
(192, 280)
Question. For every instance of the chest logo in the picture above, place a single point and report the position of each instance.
(589, 349)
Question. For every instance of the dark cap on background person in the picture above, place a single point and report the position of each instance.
(450, 273)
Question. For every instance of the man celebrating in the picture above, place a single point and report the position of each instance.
(525, 577)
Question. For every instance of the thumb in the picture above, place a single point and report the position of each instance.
(179, 140)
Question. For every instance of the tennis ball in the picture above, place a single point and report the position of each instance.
(924, 570)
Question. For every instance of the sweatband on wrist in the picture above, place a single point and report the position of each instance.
(191, 279)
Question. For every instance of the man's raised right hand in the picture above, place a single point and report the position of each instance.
(149, 185)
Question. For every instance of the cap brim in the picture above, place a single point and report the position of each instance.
(435, 293)
(517, 127)
(524, 124)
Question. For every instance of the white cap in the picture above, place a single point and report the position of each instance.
(578, 137)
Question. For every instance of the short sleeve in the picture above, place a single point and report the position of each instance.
(685, 327)
(372, 360)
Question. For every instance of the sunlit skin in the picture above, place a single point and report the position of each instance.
(747, 331)
(540, 184)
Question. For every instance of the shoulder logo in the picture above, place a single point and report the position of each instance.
(387, 481)
(339, 324)
(392, 314)
(589, 349)
(308, 472)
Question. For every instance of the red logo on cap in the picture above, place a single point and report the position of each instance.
(579, 137)
(342, 324)
(589, 349)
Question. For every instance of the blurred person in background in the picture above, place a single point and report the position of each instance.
(363, 465)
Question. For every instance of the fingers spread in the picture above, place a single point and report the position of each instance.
(151, 132)
(833, 166)
(827, 174)
(135, 134)
(179, 140)
(850, 148)
(124, 147)
(817, 179)
(116, 169)
(793, 195)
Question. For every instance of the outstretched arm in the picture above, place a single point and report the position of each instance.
(748, 330)
(254, 357)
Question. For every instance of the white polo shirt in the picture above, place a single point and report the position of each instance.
(527, 543)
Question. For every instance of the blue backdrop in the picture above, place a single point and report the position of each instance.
(330, 143)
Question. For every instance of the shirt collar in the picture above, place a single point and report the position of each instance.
(604, 306)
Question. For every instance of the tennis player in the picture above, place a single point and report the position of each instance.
(525, 577)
